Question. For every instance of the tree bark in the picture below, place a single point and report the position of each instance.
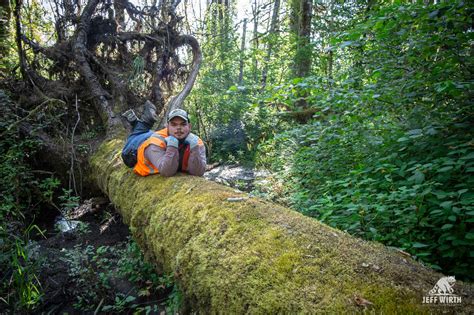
(301, 11)
(21, 54)
(242, 53)
(244, 255)
(301, 25)
(272, 33)
(5, 15)
(255, 13)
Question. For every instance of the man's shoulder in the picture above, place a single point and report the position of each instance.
(162, 132)
(153, 148)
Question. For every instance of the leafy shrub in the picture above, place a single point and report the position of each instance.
(19, 200)
(419, 198)
(389, 154)
(21, 289)
(94, 270)
(415, 192)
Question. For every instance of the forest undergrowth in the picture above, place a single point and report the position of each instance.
(385, 148)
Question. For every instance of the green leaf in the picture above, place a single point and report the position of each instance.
(441, 194)
(470, 156)
(414, 132)
(423, 254)
(470, 236)
(444, 169)
(446, 226)
(461, 242)
(433, 14)
(446, 204)
(419, 245)
(129, 299)
(452, 218)
(419, 177)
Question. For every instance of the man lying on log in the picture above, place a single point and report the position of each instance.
(167, 151)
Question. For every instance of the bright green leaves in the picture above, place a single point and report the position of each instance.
(415, 193)
(418, 177)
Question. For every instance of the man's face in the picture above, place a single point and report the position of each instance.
(178, 128)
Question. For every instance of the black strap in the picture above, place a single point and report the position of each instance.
(181, 149)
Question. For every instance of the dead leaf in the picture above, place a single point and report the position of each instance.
(360, 301)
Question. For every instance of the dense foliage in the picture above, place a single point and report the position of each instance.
(388, 153)
(19, 202)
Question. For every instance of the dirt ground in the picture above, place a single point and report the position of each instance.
(75, 278)
(82, 271)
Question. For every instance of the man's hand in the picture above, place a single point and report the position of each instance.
(192, 139)
(171, 142)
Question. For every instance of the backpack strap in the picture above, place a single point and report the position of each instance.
(143, 166)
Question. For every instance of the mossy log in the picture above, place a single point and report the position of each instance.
(253, 256)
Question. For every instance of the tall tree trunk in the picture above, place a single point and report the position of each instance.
(19, 45)
(242, 52)
(224, 23)
(255, 13)
(301, 26)
(5, 16)
(234, 254)
(271, 40)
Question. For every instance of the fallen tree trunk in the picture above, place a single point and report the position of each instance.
(252, 256)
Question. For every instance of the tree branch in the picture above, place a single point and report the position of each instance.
(177, 101)
(100, 95)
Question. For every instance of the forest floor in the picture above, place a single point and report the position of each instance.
(95, 266)
(90, 264)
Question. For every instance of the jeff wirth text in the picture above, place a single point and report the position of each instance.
(443, 293)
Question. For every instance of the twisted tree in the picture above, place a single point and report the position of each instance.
(111, 54)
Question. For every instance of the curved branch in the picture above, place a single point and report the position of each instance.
(48, 89)
(177, 101)
(129, 36)
(57, 53)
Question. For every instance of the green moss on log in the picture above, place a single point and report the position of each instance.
(256, 257)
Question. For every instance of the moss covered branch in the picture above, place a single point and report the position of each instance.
(253, 256)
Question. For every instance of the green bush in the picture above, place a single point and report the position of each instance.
(19, 199)
(389, 154)
(419, 198)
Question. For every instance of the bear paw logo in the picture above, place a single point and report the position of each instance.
(444, 286)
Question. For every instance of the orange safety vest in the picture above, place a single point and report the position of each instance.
(145, 167)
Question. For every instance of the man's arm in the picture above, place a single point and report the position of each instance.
(197, 160)
(165, 160)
